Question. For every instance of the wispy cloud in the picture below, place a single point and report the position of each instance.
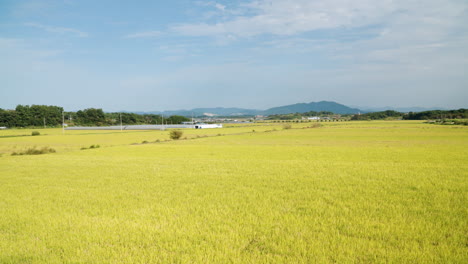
(216, 5)
(145, 34)
(291, 17)
(60, 30)
(350, 32)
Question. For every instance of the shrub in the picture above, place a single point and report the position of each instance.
(287, 126)
(144, 142)
(175, 134)
(35, 133)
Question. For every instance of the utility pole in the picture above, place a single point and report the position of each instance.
(63, 123)
(44, 123)
(162, 121)
(121, 122)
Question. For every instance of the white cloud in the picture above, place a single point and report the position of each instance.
(145, 34)
(220, 6)
(60, 30)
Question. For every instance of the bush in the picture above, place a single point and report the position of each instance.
(287, 126)
(35, 133)
(175, 134)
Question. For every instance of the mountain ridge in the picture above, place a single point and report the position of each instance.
(285, 109)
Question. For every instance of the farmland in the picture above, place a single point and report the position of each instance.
(344, 192)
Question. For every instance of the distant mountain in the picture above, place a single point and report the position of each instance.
(317, 107)
(221, 111)
(400, 109)
(287, 109)
(217, 111)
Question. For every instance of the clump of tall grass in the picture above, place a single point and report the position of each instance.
(34, 151)
(287, 126)
(91, 147)
(35, 133)
(315, 125)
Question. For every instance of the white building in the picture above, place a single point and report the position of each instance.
(201, 126)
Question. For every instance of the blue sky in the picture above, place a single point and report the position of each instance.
(180, 54)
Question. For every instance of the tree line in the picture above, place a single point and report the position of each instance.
(425, 115)
(51, 116)
(389, 114)
(438, 114)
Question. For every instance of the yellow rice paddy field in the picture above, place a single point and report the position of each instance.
(344, 192)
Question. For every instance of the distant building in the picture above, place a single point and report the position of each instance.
(313, 118)
(201, 126)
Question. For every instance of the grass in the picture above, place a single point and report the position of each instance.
(34, 151)
(364, 192)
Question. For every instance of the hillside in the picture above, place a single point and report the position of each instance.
(286, 109)
(317, 107)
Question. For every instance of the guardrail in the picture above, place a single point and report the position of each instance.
(147, 127)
